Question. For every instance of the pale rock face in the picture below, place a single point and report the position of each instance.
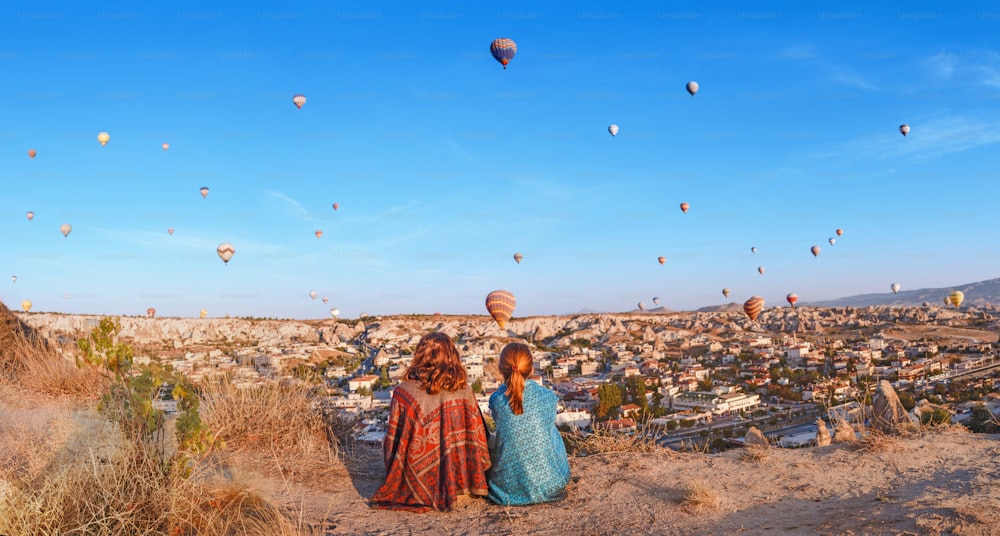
(888, 413)
(845, 433)
(755, 437)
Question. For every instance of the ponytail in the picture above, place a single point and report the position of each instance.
(515, 365)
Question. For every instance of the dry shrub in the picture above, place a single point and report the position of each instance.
(276, 421)
(755, 453)
(38, 367)
(699, 497)
(602, 441)
(130, 491)
(877, 442)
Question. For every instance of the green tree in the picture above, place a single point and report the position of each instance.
(477, 386)
(609, 398)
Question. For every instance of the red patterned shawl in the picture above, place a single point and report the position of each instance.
(435, 450)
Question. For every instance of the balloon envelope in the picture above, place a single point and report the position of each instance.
(65, 229)
(832, 241)
(753, 249)
(335, 312)
(894, 287)
(225, 251)
(165, 146)
(170, 231)
(30, 215)
(613, 129)
(685, 207)
(318, 233)
(656, 301)
(202, 314)
(26, 305)
(503, 50)
(326, 299)
(500, 304)
(299, 100)
(792, 298)
(518, 258)
(642, 306)
(904, 129)
(840, 232)
(815, 251)
(32, 153)
(661, 260)
(956, 298)
(104, 138)
(725, 292)
(760, 270)
(753, 307)
(336, 206)
(150, 312)
(312, 294)
(692, 87)
(204, 191)
(13, 279)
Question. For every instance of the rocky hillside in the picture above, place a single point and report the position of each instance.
(981, 294)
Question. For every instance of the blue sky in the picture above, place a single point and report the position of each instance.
(444, 165)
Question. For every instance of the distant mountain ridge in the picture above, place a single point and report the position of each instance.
(980, 293)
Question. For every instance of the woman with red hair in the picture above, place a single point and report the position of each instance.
(435, 447)
(529, 458)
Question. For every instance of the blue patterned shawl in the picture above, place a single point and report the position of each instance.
(529, 459)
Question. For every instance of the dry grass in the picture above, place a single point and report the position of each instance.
(876, 442)
(602, 441)
(39, 368)
(277, 422)
(755, 453)
(699, 497)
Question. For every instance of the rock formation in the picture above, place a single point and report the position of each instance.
(822, 434)
(844, 433)
(888, 413)
(754, 437)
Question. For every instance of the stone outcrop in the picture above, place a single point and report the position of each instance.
(844, 433)
(888, 413)
(755, 437)
(822, 433)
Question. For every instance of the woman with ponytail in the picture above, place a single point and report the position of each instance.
(529, 458)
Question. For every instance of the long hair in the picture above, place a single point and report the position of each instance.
(515, 365)
(436, 364)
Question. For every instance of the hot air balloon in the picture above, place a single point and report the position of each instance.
(65, 229)
(318, 233)
(30, 215)
(613, 129)
(104, 138)
(66, 296)
(656, 301)
(13, 279)
(753, 307)
(503, 50)
(815, 251)
(753, 249)
(203, 313)
(661, 260)
(927, 304)
(895, 287)
(832, 240)
(692, 87)
(904, 129)
(170, 231)
(684, 207)
(32, 153)
(26, 305)
(518, 257)
(956, 298)
(204, 192)
(299, 100)
(150, 312)
(725, 292)
(336, 206)
(947, 301)
(165, 146)
(840, 232)
(500, 304)
(225, 251)
(760, 270)
(326, 299)
(642, 306)
(312, 294)
(335, 312)
(792, 298)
